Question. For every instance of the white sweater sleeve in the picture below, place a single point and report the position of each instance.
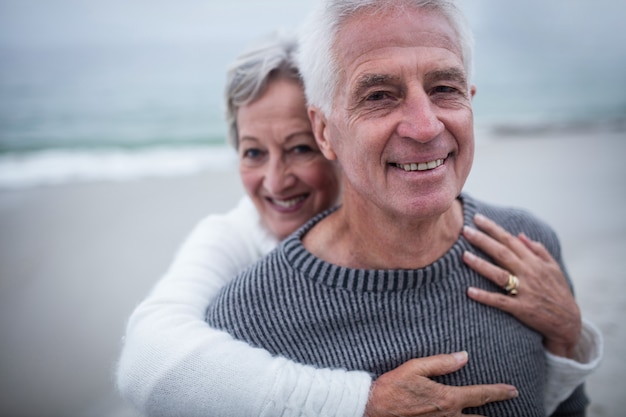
(565, 375)
(172, 363)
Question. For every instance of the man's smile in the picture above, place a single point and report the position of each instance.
(420, 166)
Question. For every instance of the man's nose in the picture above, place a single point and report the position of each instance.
(279, 176)
(420, 118)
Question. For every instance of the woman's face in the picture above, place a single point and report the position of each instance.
(281, 167)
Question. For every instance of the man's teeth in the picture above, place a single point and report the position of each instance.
(422, 166)
(288, 203)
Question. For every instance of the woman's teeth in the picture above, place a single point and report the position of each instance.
(288, 203)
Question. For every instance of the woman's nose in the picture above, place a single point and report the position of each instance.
(279, 176)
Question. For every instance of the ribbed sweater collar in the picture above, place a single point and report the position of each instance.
(369, 280)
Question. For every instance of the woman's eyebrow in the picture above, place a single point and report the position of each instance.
(248, 139)
(296, 135)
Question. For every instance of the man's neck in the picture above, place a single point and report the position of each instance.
(344, 238)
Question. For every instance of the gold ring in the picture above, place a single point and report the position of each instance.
(512, 285)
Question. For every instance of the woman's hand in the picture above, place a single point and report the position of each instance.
(544, 301)
(409, 391)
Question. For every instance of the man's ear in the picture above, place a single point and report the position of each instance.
(320, 130)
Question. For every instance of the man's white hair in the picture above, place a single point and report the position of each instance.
(317, 57)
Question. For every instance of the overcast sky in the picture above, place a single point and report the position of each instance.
(37, 22)
(534, 58)
(583, 41)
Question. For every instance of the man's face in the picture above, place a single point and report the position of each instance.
(401, 124)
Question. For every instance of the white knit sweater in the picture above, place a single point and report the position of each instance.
(173, 364)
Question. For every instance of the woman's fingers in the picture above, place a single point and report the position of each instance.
(498, 233)
(492, 272)
(543, 302)
(492, 299)
(408, 390)
(536, 247)
(502, 254)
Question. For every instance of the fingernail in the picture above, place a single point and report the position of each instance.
(468, 231)
(479, 216)
(469, 255)
(472, 291)
(460, 356)
(513, 392)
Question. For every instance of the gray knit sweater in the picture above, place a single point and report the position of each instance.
(298, 306)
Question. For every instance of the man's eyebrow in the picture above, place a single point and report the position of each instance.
(454, 74)
(367, 81)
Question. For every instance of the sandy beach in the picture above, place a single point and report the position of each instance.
(76, 259)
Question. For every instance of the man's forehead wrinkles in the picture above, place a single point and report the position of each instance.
(366, 44)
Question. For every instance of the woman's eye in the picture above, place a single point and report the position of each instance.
(252, 153)
(302, 149)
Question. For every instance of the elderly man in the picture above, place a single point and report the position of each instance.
(379, 281)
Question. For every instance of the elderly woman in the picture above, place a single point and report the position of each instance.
(174, 364)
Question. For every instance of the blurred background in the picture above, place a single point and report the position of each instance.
(121, 80)
(112, 145)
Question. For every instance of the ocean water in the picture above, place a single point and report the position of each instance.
(85, 111)
(76, 113)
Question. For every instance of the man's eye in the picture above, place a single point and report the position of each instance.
(377, 96)
(445, 89)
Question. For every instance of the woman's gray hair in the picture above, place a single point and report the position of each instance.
(317, 58)
(248, 76)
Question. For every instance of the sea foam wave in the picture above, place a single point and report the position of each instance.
(54, 167)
